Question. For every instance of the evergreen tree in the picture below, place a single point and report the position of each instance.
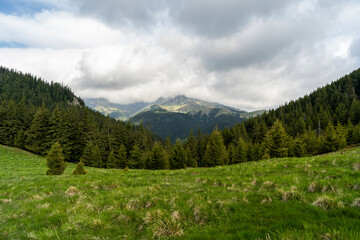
(299, 148)
(79, 170)
(241, 151)
(192, 151)
(55, 160)
(157, 159)
(178, 156)
(355, 112)
(36, 136)
(87, 156)
(96, 155)
(112, 161)
(231, 154)
(276, 140)
(215, 153)
(136, 160)
(329, 142)
(356, 134)
(122, 157)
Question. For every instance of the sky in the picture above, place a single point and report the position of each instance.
(251, 55)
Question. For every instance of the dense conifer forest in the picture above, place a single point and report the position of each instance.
(35, 114)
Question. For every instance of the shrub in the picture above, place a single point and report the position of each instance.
(55, 160)
(79, 170)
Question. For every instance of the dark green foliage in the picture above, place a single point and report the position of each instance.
(136, 160)
(79, 170)
(112, 162)
(35, 114)
(355, 111)
(87, 156)
(215, 153)
(122, 157)
(299, 148)
(241, 151)
(96, 157)
(178, 156)
(276, 141)
(332, 139)
(192, 151)
(157, 159)
(55, 160)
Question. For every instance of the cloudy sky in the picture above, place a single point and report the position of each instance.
(254, 54)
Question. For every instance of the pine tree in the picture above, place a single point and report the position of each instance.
(241, 151)
(157, 159)
(299, 148)
(111, 161)
(55, 160)
(79, 170)
(276, 140)
(231, 154)
(136, 160)
(192, 151)
(96, 156)
(87, 156)
(178, 156)
(215, 153)
(37, 134)
(355, 112)
(329, 141)
(122, 157)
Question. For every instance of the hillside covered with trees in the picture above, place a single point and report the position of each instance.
(35, 114)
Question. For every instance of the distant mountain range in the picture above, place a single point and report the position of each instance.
(174, 117)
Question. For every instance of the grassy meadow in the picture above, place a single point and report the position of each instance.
(290, 198)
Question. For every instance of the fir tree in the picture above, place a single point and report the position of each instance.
(157, 159)
(96, 156)
(122, 157)
(112, 161)
(178, 156)
(87, 156)
(192, 151)
(55, 160)
(276, 140)
(329, 142)
(231, 154)
(215, 153)
(241, 151)
(79, 170)
(299, 148)
(136, 160)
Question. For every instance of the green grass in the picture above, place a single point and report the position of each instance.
(305, 198)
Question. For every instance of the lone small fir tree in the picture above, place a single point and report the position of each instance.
(55, 160)
(79, 170)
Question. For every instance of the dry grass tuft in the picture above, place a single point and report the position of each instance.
(356, 203)
(37, 198)
(290, 195)
(72, 191)
(327, 203)
(314, 187)
(356, 166)
(268, 185)
(6, 200)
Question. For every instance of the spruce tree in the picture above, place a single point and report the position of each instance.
(55, 160)
(136, 160)
(231, 154)
(96, 156)
(329, 140)
(122, 157)
(87, 156)
(241, 151)
(215, 153)
(355, 112)
(276, 141)
(79, 170)
(192, 151)
(157, 159)
(299, 148)
(178, 156)
(111, 161)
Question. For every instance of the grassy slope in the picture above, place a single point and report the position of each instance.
(271, 199)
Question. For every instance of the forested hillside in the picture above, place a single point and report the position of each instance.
(35, 114)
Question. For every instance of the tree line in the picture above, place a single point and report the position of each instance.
(326, 120)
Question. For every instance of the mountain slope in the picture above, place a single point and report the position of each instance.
(175, 117)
